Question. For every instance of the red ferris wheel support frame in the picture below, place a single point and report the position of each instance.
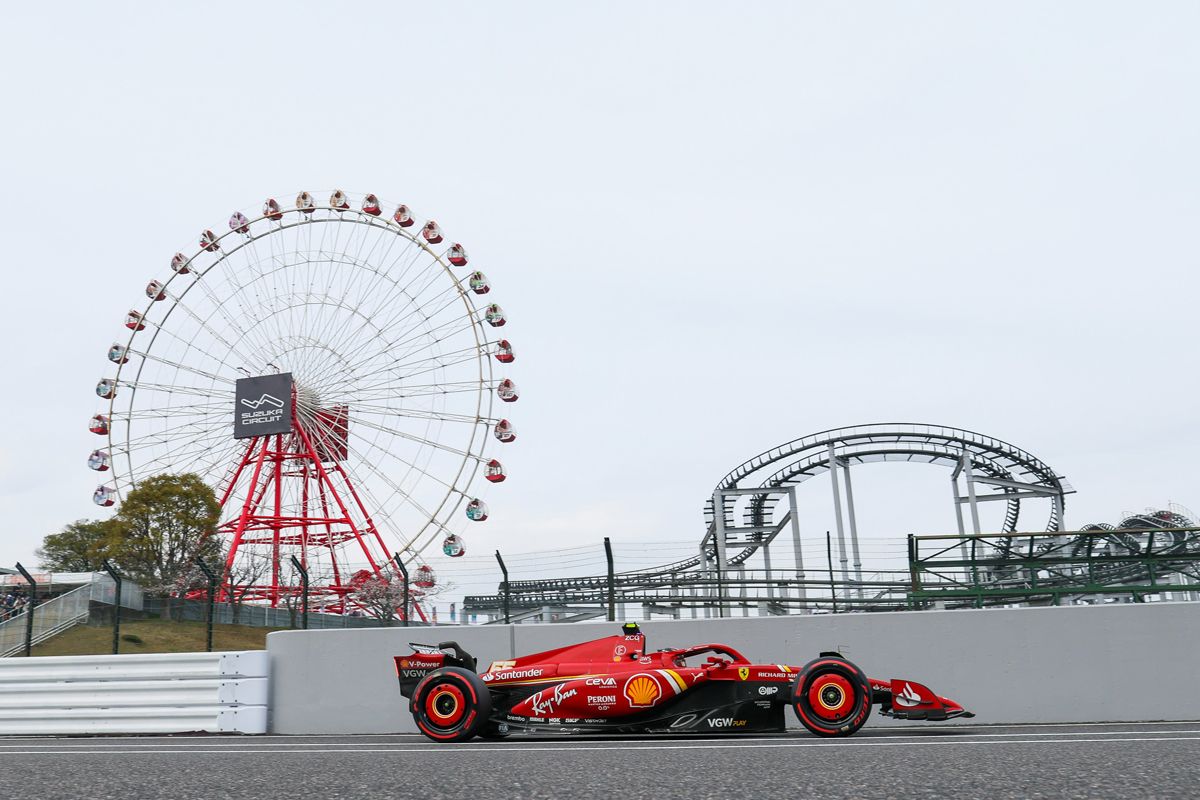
(326, 517)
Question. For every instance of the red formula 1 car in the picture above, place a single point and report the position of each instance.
(614, 685)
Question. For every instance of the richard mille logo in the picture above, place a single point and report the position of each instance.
(265, 400)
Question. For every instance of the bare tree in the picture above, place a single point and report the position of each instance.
(383, 596)
(291, 601)
(244, 576)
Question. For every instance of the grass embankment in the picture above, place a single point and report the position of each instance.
(153, 636)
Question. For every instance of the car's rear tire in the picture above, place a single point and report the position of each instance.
(831, 697)
(451, 704)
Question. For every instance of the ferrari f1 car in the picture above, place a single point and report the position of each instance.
(616, 685)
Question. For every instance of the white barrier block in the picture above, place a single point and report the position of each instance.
(146, 693)
(246, 719)
(244, 692)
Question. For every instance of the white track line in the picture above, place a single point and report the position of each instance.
(885, 728)
(443, 750)
(955, 727)
(565, 744)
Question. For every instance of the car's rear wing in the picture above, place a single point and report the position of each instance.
(425, 658)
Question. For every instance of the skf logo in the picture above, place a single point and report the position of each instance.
(743, 672)
(642, 691)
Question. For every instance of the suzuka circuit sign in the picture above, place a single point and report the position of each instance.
(263, 406)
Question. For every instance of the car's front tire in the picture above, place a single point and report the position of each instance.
(831, 696)
(451, 704)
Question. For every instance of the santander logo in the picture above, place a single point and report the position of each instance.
(907, 697)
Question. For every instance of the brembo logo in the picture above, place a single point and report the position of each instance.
(264, 400)
(642, 691)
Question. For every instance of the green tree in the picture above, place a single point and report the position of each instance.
(164, 523)
(80, 546)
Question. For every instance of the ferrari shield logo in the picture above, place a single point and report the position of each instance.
(743, 672)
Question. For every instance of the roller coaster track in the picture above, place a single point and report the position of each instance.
(798, 460)
(1001, 470)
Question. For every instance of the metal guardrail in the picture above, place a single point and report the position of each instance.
(944, 572)
(50, 618)
(992, 569)
(258, 616)
(145, 693)
(733, 592)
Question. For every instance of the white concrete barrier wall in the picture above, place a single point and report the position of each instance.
(1071, 664)
(146, 693)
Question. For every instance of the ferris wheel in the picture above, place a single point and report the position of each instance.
(332, 371)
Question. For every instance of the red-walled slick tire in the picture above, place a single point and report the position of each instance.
(451, 705)
(831, 696)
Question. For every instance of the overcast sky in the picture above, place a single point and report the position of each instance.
(715, 227)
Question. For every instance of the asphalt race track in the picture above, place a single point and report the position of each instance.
(1126, 760)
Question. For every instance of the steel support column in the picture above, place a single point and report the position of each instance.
(767, 565)
(970, 475)
(719, 542)
(837, 513)
(793, 512)
(853, 527)
(958, 514)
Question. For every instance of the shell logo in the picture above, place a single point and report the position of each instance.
(642, 691)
